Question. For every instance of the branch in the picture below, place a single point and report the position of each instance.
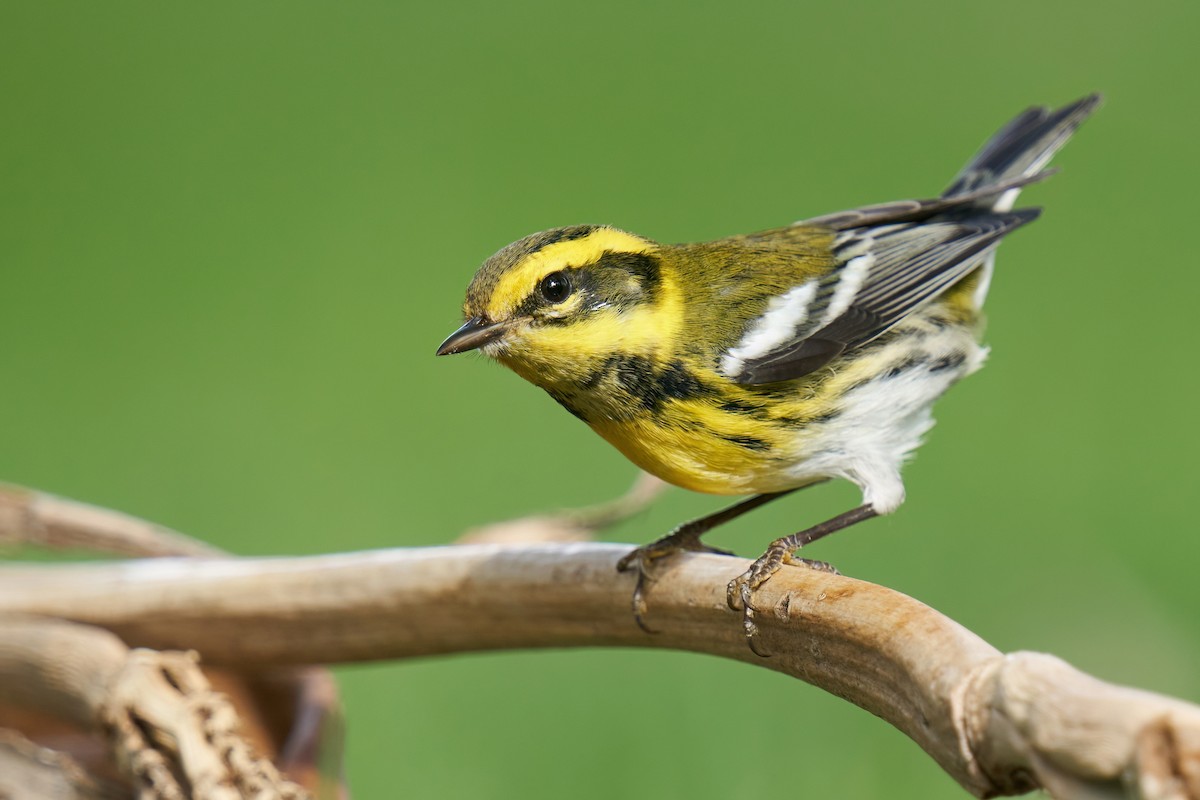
(578, 525)
(72, 683)
(998, 724)
(29, 517)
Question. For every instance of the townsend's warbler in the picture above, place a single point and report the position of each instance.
(763, 363)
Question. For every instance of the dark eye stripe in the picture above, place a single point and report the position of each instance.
(644, 266)
(592, 278)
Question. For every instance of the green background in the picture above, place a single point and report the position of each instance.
(231, 237)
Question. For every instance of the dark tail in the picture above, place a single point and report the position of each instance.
(1019, 151)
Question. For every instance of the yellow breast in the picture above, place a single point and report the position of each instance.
(698, 447)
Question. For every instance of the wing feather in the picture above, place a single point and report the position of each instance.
(909, 265)
(892, 258)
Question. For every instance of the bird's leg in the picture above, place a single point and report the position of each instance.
(781, 552)
(684, 538)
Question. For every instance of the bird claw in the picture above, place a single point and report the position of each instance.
(638, 600)
(814, 565)
(738, 595)
(741, 589)
(642, 560)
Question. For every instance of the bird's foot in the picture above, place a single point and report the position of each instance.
(643, 561)
(740, 591)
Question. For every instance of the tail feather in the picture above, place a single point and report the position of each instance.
(1013, 158)
(1019, 150)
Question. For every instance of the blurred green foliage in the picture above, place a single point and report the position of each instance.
(232, 234)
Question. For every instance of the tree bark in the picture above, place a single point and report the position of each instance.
(998, 724)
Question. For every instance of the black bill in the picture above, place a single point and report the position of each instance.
(474, 333)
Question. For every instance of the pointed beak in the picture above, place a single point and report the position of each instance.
(474, 333)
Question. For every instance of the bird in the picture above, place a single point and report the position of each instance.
(763, 363)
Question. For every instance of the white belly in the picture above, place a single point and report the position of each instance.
(881, 421)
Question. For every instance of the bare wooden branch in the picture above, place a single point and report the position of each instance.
(577, 525)
(29, 517)
(998, 724)
(33, 518)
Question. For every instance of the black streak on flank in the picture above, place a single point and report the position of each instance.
(677, 383)
(904, 366)
(748, 442)
(739, 407)
(948, 362)
(752, 410)
(649, 387)
(826, 416)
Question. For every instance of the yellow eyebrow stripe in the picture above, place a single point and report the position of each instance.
(516, 285)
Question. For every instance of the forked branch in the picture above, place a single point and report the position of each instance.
(999, 724)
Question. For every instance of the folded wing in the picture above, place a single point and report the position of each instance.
(893, 258)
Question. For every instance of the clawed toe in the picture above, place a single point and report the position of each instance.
(638, 561)
(642, 561)
(738, 596)
(685, 538)
(816, 566)
(627, 562)
(638, 604)
(737, 593)
(740, 591)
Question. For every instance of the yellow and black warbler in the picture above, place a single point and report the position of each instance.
(763, 363)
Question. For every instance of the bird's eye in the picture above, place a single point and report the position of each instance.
(555, 287)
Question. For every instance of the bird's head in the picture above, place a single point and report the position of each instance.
(552, 304)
